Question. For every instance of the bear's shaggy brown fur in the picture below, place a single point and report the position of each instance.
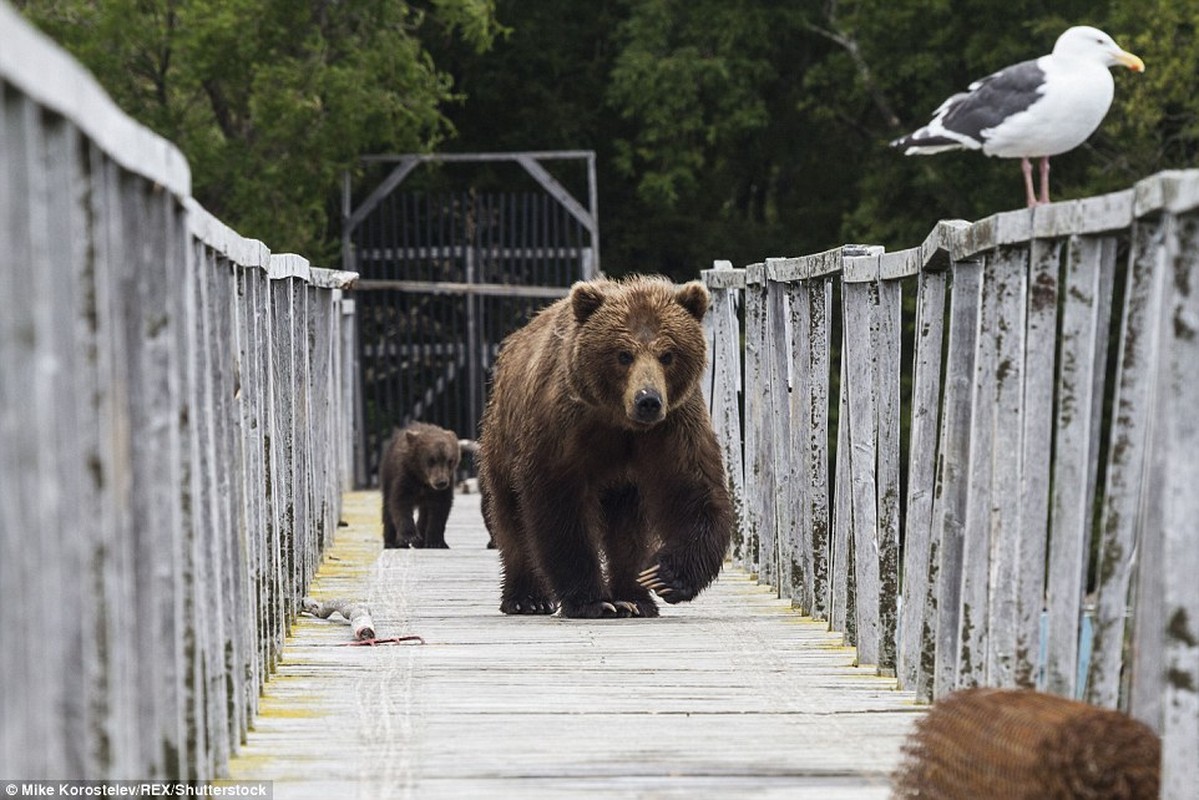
(600, 473)
(417, 474)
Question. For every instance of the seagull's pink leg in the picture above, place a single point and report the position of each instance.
(1044, 179)
(1026, 168)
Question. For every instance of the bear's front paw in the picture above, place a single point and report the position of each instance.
(528, 604)
(595, 609)
(665, 581)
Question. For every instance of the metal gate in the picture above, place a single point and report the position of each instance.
(444, 278)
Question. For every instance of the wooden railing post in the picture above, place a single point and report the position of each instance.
(726, 285)
(348, 370)
(759, 502)
(871, 544)
(1083, 350)
(919, 558)
(1132, 411)
(949, 508)
(1040, 367)
(783, 495)
(811, 318)
(1177, 466)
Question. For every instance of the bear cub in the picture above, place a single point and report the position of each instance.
(417, 474)
(601, 478)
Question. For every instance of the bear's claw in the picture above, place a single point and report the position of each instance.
(527, 605)
(652, 581)
(637, 608)
(626, 608)
(596, 609)
(661, 580)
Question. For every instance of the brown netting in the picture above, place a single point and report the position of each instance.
(1017, 744)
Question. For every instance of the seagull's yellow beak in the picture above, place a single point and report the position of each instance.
(1134, 63)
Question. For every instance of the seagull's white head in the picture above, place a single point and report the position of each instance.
(1092, 44)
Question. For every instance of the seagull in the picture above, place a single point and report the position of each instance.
(1034, 109)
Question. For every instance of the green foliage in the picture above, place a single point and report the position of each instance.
(271, 99)
(950, 50)
(747, 128)
(1155, 124)
(733, 129)
(688, 74)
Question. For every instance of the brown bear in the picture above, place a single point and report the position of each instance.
(418, 474)
(600, 474)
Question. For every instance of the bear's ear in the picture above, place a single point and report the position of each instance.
(412, 436)
(585, 298)
(693, 296)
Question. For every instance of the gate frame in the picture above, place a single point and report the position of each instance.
(352, 217)
(531, 161)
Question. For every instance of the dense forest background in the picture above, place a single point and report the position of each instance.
(724, 128)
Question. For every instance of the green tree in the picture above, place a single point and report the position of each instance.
(921, 52)
(733, 129)
(1155, 122)
(717, 144)
(271, 99)
(746, 128)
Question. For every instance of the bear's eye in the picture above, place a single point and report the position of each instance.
(624, 357)
(666, 358)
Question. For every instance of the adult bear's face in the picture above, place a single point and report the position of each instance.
(639, 347)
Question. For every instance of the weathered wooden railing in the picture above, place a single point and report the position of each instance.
(172, 441)
(1029, 446)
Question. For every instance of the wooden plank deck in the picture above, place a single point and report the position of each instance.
(731, 695)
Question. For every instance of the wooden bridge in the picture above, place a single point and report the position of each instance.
(729, 696)
(969, 463)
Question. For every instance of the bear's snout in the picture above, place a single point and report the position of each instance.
(647, 406)
(440, 476)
